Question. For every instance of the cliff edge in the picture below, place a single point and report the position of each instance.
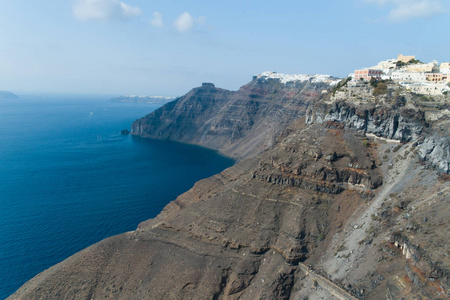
(237, 123)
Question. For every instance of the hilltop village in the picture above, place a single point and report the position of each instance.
(421, 78)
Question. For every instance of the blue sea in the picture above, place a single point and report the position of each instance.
(68, 179)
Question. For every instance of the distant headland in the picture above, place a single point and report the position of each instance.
(7, 95)
(143, 99)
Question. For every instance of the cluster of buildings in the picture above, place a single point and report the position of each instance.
(421, 78)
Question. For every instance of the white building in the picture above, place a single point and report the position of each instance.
(386, 65)
(403, 76)
(424, 88)
(444, 68)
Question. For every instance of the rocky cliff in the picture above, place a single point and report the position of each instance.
(404, 124)
(329, 211)
(237, 123)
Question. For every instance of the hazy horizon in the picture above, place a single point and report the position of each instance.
(168, 47)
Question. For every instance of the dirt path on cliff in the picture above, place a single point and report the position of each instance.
(343, 260)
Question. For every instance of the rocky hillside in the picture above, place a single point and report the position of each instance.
(403, 124)
(342, 206)
(237, 123)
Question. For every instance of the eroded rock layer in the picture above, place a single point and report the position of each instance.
(404, 124)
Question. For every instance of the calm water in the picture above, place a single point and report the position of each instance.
(68, 179)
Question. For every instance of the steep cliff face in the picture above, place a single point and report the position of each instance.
(234, 235)
(317, 215)
(329, 211)
(237, 123)
(402, 124)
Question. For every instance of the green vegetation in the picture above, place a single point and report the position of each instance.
(341, 84)
(321, 236)
(366, 143)
(373, 230)
(373, 82)
(396, 148)
(374, 217)
(380, 89)
(400, 64)
(380, 86)
(414, 61)
(424, 98)
(340, 248)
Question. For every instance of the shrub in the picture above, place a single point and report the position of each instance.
(341, 84)
(380, 89)
(321, 236)
(400, 64)
(423, 99)
(373, 82)
(340, 248)
(399, 101)
(396, 148)
(414, 61)
(315, 283)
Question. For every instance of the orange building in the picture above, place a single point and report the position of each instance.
(405, 59)
(367, 74)
(436, 77)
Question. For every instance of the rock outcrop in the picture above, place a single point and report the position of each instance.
(404, 124)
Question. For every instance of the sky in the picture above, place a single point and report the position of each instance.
(167, 47)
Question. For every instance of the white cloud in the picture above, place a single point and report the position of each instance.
(404, 10)
(184, 23)
(104, 10)
(157, 20)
